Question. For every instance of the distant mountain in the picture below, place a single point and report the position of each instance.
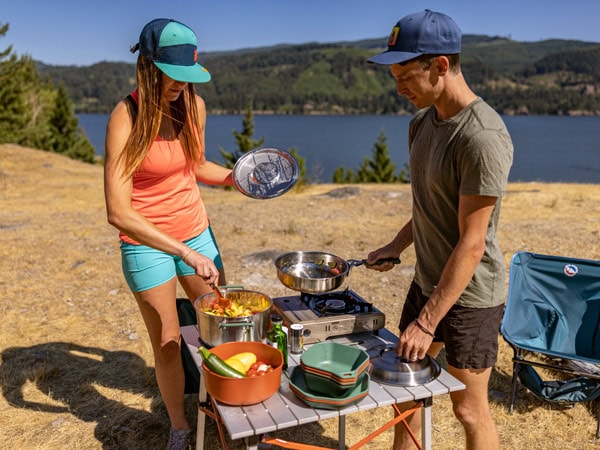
(546, 77)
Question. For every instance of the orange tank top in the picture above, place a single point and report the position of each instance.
(165, 192)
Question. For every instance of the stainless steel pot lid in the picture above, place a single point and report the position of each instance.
(389, 368)
(265, 173)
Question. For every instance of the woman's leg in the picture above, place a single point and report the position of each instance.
(158, 308)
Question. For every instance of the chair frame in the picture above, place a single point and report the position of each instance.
(520, 358)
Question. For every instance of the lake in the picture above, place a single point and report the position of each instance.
(547, 148)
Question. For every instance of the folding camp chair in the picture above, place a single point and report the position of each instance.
(553, 314)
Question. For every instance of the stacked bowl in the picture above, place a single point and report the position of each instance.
(331, 375)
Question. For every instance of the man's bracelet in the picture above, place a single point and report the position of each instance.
(423, 329)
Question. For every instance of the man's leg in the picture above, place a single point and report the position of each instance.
(472, 409)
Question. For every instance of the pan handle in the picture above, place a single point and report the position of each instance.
(360, 262)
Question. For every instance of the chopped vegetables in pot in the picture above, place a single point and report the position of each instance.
(233, 309)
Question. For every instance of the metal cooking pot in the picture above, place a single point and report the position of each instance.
(218, 329)
(316, 272)
(389, 368)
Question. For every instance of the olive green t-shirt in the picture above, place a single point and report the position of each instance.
(468, 154)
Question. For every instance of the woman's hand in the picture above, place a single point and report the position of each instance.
(204, 267)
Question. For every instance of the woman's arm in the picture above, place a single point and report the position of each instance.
(213, 174)
(208, 172)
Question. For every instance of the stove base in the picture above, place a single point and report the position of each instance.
(316, 329)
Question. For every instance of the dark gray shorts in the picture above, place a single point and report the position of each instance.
(470, 335)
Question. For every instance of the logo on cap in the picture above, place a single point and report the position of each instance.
(393, 40)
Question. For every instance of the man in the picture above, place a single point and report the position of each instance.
(460, 154)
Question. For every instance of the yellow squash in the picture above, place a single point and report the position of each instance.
(236, 364)
(246, 359)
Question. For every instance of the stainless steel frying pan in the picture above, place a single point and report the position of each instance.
(316, 272)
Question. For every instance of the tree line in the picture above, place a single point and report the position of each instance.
(547, 77)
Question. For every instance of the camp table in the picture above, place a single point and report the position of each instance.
(285, 410)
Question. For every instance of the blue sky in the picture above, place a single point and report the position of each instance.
(83, 32)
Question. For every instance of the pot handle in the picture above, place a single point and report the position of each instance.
(236, 324)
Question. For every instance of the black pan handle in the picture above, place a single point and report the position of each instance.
(360, 262)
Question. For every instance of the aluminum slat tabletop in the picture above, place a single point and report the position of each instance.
(285, 410)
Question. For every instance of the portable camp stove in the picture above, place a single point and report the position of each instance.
(329, 314)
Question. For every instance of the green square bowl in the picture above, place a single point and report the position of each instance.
(298, 386)
(339, 362)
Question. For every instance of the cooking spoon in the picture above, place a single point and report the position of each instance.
(223, 301)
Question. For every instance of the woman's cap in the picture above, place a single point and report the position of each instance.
(173, 48)
(423, 33)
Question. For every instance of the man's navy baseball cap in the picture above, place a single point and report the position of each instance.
(173, 48)
(422, 33)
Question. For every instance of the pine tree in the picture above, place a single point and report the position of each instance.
(302, 180)
(244, 139)
(380, 169)
(343, 176)
(13, 111)
(35, 114)
(63, 124)
(404, 175)
(67, 137)
(246, 143)
(83, 150)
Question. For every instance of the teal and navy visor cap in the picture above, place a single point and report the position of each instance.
(173, 48)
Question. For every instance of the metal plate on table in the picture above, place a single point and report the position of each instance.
(265, 173)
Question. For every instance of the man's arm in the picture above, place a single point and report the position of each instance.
(474, 214)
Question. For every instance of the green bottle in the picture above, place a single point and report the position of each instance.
(277, 337)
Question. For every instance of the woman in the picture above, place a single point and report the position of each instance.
(154, 158)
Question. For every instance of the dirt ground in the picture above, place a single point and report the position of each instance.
(76, 366)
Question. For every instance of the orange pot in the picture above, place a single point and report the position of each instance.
(244, 391)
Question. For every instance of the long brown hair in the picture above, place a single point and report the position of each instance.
(151, 111)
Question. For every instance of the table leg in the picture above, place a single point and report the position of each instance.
(426, 423)
(201, 423)
(252, 442)
(342, 432)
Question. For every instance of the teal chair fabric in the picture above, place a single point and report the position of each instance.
(553, 311)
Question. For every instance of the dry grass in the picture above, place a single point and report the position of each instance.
(76, 367)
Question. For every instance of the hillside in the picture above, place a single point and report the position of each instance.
(545, 77)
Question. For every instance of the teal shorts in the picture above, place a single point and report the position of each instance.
(145, 267)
